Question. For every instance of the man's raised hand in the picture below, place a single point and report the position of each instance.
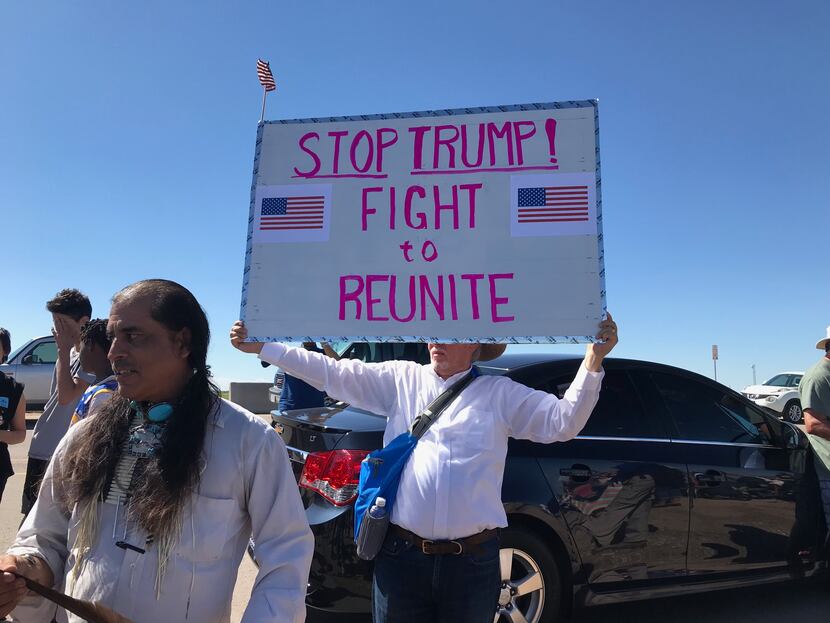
(66, 333)
(239, 333)
(596, 352)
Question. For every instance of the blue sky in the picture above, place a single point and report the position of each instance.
(127, 138)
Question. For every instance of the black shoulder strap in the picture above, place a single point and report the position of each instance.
(428, 416)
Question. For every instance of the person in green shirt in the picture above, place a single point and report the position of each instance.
(815, 403)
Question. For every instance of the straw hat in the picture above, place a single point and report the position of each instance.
(491, 351)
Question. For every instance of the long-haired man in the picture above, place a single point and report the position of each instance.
(147, 506)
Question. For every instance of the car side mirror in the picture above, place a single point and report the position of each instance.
(27, 360)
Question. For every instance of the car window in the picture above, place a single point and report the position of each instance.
(16, 352)
(795, 381)
(339, 347)
(619, 411)
(374, 352)
(779, 380)
(701, 412)
(413, 351)
(45, 352)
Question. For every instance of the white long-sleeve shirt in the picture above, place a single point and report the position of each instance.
(247, 487)
(451, 486)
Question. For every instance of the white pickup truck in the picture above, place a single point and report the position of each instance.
(33, 365)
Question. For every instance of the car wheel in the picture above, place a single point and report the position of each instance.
(792, 412)
(531, 584)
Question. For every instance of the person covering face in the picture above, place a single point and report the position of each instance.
(450, 488)
(70, 310)
(147, 507)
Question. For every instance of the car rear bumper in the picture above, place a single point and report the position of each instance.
(339, 580)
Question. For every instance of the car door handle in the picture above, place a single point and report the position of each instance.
(577, 473)
(710, 478)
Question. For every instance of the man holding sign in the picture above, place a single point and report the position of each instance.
(448, 508)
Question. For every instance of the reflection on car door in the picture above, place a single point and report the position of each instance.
(621, 493)
(744, 481)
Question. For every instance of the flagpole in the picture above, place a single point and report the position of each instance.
(264, 94)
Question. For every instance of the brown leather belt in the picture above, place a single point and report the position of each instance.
(456, 546)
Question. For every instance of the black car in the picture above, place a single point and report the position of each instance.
(677, 484)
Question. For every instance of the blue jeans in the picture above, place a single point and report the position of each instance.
(412, 587)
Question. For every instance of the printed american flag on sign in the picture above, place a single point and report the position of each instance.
(288, 213)
(266, 78)
(553, 204)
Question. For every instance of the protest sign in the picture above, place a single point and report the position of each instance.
(454, 225)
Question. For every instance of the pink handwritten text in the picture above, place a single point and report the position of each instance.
(429, 297)
(421, 209)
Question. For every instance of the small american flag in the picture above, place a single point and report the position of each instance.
(291, 213)
(266, 78)
(553, 204)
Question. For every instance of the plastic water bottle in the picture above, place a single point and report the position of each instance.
(378, 510)
(373, 530)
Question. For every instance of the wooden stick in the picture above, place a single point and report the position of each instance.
(91, 612)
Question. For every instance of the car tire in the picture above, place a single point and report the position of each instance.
(531, 580)
(792, 412)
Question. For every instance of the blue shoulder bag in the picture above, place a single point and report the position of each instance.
(380, 472)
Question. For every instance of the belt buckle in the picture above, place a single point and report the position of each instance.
(427, 545)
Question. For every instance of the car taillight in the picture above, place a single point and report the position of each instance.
(334, 474)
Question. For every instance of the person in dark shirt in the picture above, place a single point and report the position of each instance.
(297, 394)
(12, 414)
(5, 345)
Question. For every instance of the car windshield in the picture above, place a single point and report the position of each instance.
(376, 352)
(16, 351)
(779, 380)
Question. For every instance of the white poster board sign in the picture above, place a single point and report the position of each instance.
(469, 225)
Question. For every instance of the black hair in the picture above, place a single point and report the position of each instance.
(6, 344)
(167, 480)
(95, 332)
(70, 302)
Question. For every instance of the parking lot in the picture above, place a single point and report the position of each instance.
(802, 602)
